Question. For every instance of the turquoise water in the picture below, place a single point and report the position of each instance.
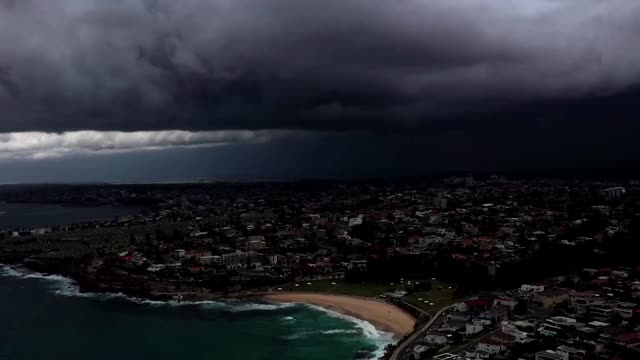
(45, 317)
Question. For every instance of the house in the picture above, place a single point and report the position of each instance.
(620, 274)
(277, 260)
(504, 338)
(357, 264)
(613, 192)
(569, 353)
(549, 355)
(210, 259)
(623, 309)
(550, 297)
(355, 221)
(600, 311)
(479, 304)
(496, 314)
(437, 338)
(445, 356)
(418, 350)
(240, 259)
(453, 326)
(256, 242)
(557, 325)
(627, 339)
(580, 301)
(511, 303)
(155, 267)
(476, 326)
(491, 347)
(519, 335)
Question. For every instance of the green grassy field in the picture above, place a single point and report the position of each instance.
(340, 287)
(440, 295)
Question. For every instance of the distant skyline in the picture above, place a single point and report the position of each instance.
(160, 90)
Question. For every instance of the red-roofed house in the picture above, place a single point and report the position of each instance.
(478, 304)
(627, 339)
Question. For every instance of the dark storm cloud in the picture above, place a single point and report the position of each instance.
(331, 65)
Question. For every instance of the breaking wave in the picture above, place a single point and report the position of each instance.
(339, 331)
(309, 333)
(380, 338)
(260, 307)
(8, 271)
(64, 286)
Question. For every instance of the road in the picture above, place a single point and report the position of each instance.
(399, 351)
(471, 342)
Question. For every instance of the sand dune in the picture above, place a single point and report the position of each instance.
(383, 316)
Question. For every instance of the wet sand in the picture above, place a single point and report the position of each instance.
(383, 316)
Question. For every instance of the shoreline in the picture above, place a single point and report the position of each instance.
(382, 315)
(373, 329)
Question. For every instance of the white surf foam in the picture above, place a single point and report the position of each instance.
(380, 338)
(339, 331)
(60, 284)
(8, 271)
(65, 286)
(303, 334)
(259, 307)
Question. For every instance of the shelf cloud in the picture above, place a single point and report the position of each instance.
(330, 65)
(41, 145)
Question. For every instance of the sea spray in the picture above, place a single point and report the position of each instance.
(310, 333)
(382, 339)
(8, 271)
(249, 332)
(65, 286)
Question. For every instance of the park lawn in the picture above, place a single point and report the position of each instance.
(340, 288)
(440, 295)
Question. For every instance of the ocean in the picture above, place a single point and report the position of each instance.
(46, 317)
(43, 215)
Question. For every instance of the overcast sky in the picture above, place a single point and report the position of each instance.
(313, 88)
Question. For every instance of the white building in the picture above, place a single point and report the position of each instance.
(418, 350)
(519, 335)
(155, 267)
(580, 301)
(355, 221)
(490, 347)
(241, 259)
(549, 355)
(556, 325)
(473, 328)
(210, 259)
(569, 353)
(623, 310)
(531, 288)
(440, 202)
(613, 193)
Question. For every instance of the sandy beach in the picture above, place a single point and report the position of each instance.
(383, 316)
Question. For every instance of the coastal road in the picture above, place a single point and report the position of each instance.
(471, 342)
(400, 350)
